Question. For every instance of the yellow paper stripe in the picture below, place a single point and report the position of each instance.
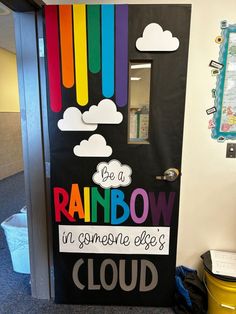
(80, 45)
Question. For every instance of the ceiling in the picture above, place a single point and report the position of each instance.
(82, 1)
(7, 35)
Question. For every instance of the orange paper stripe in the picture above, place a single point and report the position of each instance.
(66, 37)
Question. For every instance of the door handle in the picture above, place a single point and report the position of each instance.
(170, 175)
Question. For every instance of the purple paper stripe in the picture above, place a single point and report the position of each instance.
(121, 55)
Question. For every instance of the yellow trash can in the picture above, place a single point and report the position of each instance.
(221, 295)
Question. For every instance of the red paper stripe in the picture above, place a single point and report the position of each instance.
(53, 57)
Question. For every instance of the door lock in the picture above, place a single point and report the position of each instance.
(170, 175)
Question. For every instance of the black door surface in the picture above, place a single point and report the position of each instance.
(116, 81)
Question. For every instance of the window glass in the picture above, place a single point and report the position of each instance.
(139, 102)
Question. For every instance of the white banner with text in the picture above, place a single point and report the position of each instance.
(114, 239)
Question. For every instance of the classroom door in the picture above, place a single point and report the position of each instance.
(116, 79)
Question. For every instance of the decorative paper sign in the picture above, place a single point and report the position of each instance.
(213, 93)
(95, 146)
(155, 39)
(215, 72)
(211, 110)
(112, 174)
(216, 65)
(221, 139)
(211, 124)
(223, 24)
(225, 101)
(114, 240)
(104, 113)
(72, 121)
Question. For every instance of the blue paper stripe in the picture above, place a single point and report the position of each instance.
(108, 50)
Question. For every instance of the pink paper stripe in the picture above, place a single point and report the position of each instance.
(53, 57)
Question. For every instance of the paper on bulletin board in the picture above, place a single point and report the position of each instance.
(223, 263)
(228, 120)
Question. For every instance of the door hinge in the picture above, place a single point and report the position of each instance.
(41, 47)
(47, 169)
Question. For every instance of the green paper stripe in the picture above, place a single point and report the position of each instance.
(94, 38)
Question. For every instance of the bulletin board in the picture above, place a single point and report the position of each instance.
(223, 122)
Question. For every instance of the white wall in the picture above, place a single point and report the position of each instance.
(10, 128)
(208, 199)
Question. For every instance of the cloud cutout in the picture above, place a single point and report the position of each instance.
(155, 39)
(95, 146)
(104, 113)
(112, 174)
(72, 121)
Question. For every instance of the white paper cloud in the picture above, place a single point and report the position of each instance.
(95, 146)
(112, 174)
(155, 39)
(72, 121)
(104, 113)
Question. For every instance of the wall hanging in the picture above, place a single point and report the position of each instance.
(116, 95)
(223, 123)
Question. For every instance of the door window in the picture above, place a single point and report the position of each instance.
(139, 102)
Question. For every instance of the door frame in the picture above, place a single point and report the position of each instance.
(32, 93)
(23, 5)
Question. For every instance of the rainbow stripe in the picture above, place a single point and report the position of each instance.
(80, 43)
(121, 55)
(94, 38)
(77, 41)
(108, 50)
(53, 57)
(66, 40)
